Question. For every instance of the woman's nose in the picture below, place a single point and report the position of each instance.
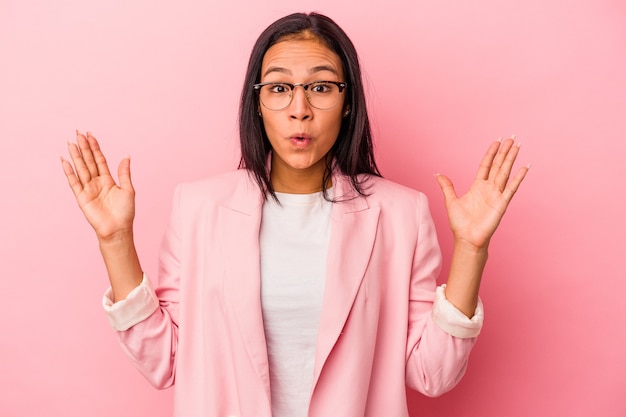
(300, 108)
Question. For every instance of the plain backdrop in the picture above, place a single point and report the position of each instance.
(161, 80)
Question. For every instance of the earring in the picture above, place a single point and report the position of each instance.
(346, 113)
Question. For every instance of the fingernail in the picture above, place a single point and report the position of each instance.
(500, 139)
(513, 136)
(528, 166)
(89, 133)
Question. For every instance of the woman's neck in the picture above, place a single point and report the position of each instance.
(285, 179)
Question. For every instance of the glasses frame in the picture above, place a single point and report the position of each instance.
(341, 85)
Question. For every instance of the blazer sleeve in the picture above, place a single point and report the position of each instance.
(436, 359)
(151, 344)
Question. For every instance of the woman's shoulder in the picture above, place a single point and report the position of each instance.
(383, 190)
(217, 187)
(219, 180)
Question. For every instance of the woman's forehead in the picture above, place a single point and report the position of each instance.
(301, 55)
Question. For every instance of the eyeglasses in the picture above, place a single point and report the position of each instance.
(322, 95)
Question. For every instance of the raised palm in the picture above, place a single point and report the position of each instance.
(108, 207)
(475, 216)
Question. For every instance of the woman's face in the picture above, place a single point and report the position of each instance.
(301, 135)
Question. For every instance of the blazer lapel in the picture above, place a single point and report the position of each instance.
(353, 232)
(238, 229)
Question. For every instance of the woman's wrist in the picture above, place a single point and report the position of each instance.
(469, 248)
(118, 239)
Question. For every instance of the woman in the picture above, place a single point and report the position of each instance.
(302, 284)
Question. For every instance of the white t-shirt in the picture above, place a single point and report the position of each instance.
(294, 243)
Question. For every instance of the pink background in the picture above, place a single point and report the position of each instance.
(160, 81)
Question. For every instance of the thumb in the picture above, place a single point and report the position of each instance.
(123, 173)
(447, 188)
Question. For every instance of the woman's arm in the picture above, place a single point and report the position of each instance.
(109, 209)
(475, 216)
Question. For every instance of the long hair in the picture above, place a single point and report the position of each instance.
(353, 153)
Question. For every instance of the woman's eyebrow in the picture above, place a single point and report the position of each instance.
(280, 70)
(313, 70)
(321, 68)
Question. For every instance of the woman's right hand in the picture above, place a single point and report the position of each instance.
(108, 207)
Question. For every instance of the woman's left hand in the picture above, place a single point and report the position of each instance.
(475, 216)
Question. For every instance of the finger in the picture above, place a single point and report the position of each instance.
(83, 174)
(123, 173)
(72, 179)
(499, 159)
(99, 159)
(514, 184)
(87, 153)
(503, 174)
(449, 194)
(486, 162)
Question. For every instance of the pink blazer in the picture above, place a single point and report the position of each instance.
(377, 333)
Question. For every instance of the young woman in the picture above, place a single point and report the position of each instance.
(303, 283)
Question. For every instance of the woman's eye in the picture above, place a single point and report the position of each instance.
(278, 88)
(320, 88)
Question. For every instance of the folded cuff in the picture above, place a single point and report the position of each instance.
(138, 305)
(452, 320)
